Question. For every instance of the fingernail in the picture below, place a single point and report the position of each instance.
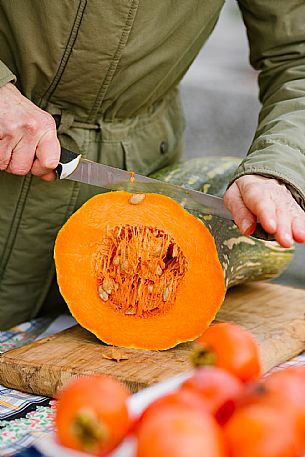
(288, 238)
(302, 233)
(247, 227)
(272, 224)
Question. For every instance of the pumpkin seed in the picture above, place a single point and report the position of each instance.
(157, 251)
(150, 288)
(135, 199)
(131, 179)
(130, 312)
(103, 294)
(175, 251)
(166, 294)
(107, 285)
(116, 260)
(158, 270)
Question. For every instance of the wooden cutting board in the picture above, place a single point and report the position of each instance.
(274, 314)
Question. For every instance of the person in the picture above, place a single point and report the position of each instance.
(101, 78)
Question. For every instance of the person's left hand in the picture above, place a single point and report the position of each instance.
(253, 197)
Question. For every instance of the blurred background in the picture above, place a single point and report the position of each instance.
(220, 99)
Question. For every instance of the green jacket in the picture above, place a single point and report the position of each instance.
(109, 70)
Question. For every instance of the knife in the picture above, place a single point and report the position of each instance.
(72, 166)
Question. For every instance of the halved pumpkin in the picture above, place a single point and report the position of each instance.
(139, 271)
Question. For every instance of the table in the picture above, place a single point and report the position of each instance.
(26, 418)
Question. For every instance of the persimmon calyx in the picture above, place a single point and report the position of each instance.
(89, 430)
(202, 356)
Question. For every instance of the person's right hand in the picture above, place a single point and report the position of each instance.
(28, 138)
(253, 197)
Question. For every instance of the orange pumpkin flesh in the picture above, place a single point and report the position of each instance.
(139, 274)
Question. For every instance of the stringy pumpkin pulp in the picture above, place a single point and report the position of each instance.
(139, 269)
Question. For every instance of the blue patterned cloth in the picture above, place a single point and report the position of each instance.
(29, 452)
(23, 334)
(15, 404)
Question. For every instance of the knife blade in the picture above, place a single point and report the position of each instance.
(73, 167)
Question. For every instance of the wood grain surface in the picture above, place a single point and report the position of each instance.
(274, 314)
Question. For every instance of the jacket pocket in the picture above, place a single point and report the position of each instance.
(156, 141)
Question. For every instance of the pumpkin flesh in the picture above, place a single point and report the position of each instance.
(141, 275)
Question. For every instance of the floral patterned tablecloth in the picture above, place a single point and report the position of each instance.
(26, 418)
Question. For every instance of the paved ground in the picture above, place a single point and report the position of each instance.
(221, 105)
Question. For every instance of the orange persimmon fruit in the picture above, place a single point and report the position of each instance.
(283, 390)
(186, 397)
(92, 415)
(179, 431)
(230, 347)
(218, 388)
(259, 430)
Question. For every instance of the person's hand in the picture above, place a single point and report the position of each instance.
(28, 139)
(253, 197)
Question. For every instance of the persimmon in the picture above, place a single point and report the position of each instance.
(218, 388)
(186, 397)
(284, 391)
(92, 415)
(179, 431)
(230, 347)
(280, 387)
(261, 431)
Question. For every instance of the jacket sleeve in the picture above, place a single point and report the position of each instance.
(276, 33)
(6, 75)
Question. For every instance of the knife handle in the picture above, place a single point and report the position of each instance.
(261, 234)
(68, 162)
